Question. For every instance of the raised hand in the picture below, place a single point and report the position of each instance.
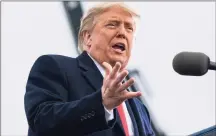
(113, 91)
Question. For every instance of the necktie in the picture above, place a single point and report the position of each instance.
(123, 118)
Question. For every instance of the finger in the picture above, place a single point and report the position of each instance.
(130, 95)
(120, 77)
(126, 84)
(107, 67)
(115, 70)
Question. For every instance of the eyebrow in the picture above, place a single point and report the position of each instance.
(116, 19)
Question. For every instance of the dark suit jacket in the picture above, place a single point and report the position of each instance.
(63, 98)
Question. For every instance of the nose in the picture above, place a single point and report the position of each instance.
(121, 32)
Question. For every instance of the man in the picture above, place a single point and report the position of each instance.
(86, 95)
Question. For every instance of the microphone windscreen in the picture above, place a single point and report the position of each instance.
(191, 63)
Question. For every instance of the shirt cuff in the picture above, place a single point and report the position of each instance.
(108, 115)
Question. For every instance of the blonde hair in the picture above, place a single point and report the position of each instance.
(88, 21)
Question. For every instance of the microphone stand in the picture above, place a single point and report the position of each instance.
(212, 66)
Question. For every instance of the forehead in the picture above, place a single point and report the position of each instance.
(116, 13)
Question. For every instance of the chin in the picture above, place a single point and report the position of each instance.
(122, 61)
(122, 58)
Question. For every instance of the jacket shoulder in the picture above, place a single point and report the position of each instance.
(52, 62)
(55, 57)
(60, 60)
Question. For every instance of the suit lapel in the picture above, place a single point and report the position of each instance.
(90, 71)
(93, 78)
(137, 118)
(142, 117)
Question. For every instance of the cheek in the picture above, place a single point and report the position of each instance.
(100, 38)
(130, 47)
(106, 37)
(107, 34)
(131, 43)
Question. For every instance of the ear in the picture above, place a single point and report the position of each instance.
(87, 39)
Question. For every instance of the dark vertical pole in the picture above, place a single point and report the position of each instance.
(74, 13)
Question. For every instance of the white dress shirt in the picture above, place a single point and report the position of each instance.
(109, 114)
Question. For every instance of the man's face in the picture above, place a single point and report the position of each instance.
(112, 37)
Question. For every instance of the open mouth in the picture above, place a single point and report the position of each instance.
(119, 47)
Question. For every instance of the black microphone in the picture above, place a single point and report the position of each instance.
(192, 63)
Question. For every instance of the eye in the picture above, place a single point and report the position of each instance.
(111, 24)
(130, 28)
